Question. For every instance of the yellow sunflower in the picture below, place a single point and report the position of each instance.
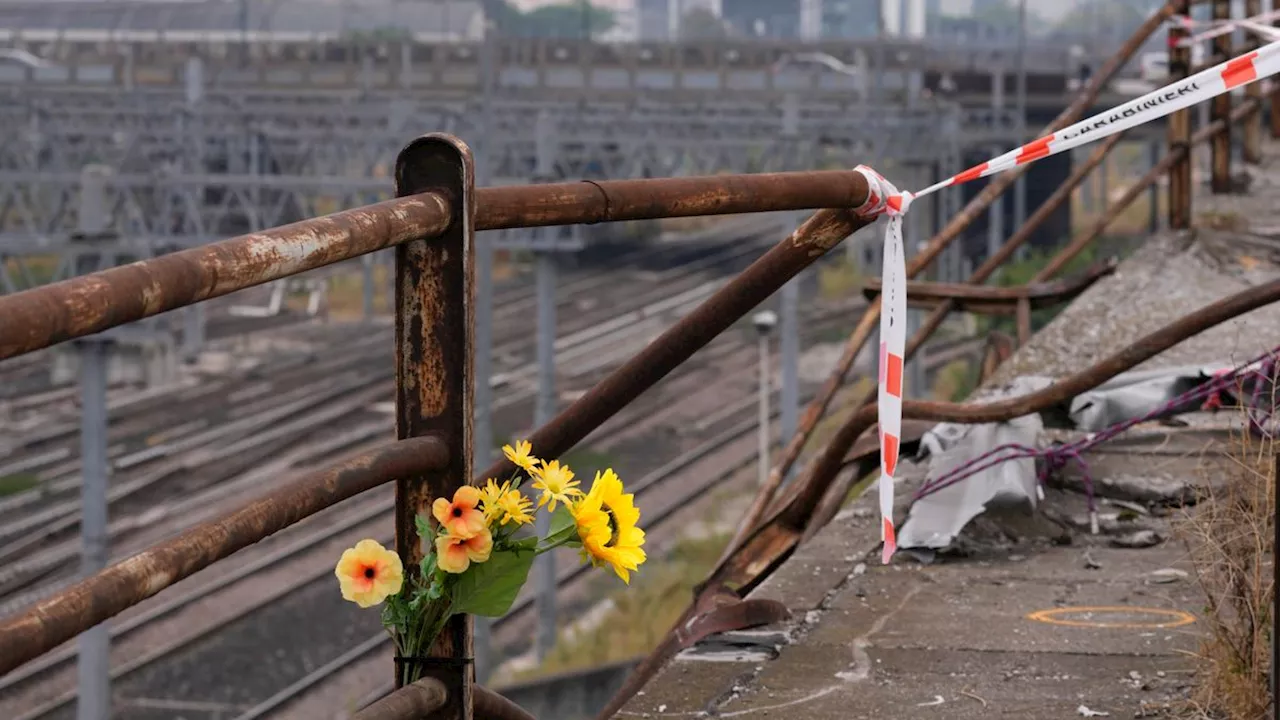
(606, 520)
(557, 485)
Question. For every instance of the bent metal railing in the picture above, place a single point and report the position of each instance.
(431, 224)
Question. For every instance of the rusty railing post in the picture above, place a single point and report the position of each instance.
(1179, 126)
(434, 371)
(1275, 105)
(1220, 108)
(1253, 123)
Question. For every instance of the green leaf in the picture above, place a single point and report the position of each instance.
(489, 588)
(524, 544)
(425, 531)
(427, 566)
(562, 521)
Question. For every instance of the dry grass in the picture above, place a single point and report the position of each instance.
(1228, 221)
(1231, 537)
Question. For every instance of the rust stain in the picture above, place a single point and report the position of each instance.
(428, 363)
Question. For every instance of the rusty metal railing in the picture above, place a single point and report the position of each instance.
(431, 224)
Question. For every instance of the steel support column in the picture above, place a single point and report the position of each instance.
(544, 569)
(1275, 110)
(1153, 195)
(789, 349)
(1253, 123)
(1179, 128)
(1020, 102)
(193, 331)
(483, 355)
(434, 372)
(93, 664)
(366, 286)
(1220, 108)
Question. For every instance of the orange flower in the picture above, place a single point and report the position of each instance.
(369, 573)
(462, 517)
(455, 554)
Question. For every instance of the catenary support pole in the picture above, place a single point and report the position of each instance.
(789, 354)
(482, 431)
(544, 410)
(366, 286)
(764, 322)
(94, 699)
(995, 214)
(1020, 102)
(193, 331)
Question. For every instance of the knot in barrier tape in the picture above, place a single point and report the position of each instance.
(883, 197)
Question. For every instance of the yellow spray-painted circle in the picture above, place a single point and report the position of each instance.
(1053, 616)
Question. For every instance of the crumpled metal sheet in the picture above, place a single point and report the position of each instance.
(935, 520)
(1137, 393)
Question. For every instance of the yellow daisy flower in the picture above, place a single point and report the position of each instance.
(491, 498)
(607, 525)
(515, 508)
(520, 455)
(557, 485)
(369, 573)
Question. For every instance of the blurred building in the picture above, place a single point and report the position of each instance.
(438, 20)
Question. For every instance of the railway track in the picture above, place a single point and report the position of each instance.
(729, 358)
(159, 438)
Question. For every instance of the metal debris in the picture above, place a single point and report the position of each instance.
(1135, 394)
(936, 519)
(1139, 539)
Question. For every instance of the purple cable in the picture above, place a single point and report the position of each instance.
(1056, 458)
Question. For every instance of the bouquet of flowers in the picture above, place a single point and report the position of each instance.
(480, 550)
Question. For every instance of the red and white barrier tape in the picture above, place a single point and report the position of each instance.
(885, 199)
(1221, 27)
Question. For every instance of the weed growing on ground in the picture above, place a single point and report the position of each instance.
(1230, 533)
(17, 483)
